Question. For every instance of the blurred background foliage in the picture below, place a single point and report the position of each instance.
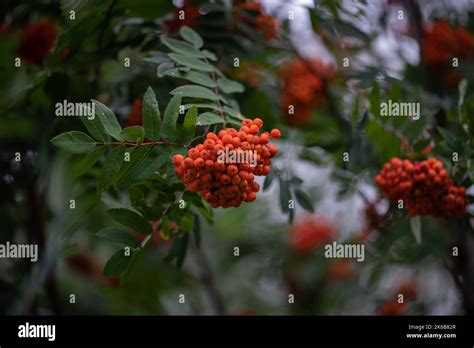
(83, 58)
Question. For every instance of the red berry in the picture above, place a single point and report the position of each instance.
(275, 133)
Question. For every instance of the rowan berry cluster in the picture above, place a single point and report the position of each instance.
(311, 233)
(37, 40)
(186, 15)
(424, 187)
(223, 168)
(303, 89)
(262, 23)
(441, 43)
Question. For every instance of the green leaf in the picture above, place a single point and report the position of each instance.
(294, 180)
(210, 55)
(125, 275)
(226, 101)
(75, 142)
(131, 219)
(304, 200)
(158, 60)
(168, 129)
(192, 63)
(191, 36)
(111, 167)
(151, 116)
(203, 106)
(182, 47)
(193, 91)
(178, 250)
(193, 76)
(158, 57)
(285, 195)
(187, 222)
(163, 68)
(152, 164)
(233, 121)
(118, 236)
(209, 118)
(229, 86)
(117, 264)
(95, 128)
(206, 213)
(291, 215)
(415, 224)
(374, 99)
(233, 113)
(133, 134)
(186, 133)
(137, 156)
(268, 180)
(108, 120)
(87, 162)
(448, 138)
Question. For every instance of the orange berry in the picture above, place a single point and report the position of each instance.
(206, 178)
(225, 179)
(188, 163)
(254, 129)
(275, 133)
(258, 122)
(208, 164)
(205, 154)
(251, 196)
(179, 171)
(227, 139)
(247, 122)
(236, 180)
(219, 166)
(236, 142)
(264, 138)
(273, 150)
(232, 170)
(212, 136)
(199, 163)
(209, 144)
(193, 153)
(178, 159)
